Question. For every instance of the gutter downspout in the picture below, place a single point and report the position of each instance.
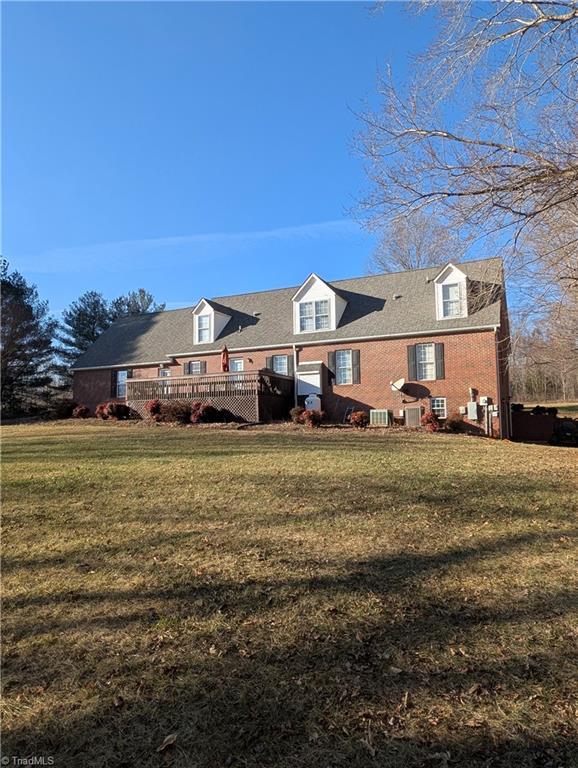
(295, 375)
(504, 417)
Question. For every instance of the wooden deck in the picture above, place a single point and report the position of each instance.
(249, 396)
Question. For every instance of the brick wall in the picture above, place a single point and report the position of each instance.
(91, 387)
(470, 361)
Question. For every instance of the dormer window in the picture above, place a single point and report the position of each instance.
(451, 300)
(314, 315)
(451, 289)
(317, 306)
(203, 329)
(209, 320)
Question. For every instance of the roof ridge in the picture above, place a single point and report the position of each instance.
(359, 277)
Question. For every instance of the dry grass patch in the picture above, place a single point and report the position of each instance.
(286, 598)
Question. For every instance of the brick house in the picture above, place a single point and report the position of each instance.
(443, 330)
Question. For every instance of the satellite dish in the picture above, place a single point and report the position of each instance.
(398, 385)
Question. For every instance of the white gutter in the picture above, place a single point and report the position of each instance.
(120, 365)
(291, 344)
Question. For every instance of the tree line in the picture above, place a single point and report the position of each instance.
(37, 350)
(476, 153)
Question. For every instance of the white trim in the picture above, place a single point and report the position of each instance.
(449, 265)
(451, 276)
(439, 397)
(289, 345)
(121, 366)
(313, 277)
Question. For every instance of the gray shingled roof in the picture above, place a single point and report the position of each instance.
(265, 319)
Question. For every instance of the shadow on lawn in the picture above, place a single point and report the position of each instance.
(393, 688)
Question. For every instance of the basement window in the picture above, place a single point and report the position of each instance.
(439, 407)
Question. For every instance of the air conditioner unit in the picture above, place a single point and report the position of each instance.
(380, 417)
(412, 416)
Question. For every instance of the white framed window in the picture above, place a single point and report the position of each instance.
(164, 372)
(314, 315)
(439, 407)
(343, 367)
(121, 377)
(236, 364)
(425, 361)
(451, 300)
(195, 368)
(281, 364)
(203, 328)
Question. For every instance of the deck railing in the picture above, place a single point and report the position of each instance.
(207, 386)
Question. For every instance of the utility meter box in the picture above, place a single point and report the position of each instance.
(473, 410)
(462, 410)
(485, 400)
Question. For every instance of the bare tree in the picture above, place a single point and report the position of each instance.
(415, 241)
(485, 135)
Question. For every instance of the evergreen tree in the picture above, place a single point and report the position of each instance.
(26, 346)
(90, 315)
(82, 323)
(134, 303)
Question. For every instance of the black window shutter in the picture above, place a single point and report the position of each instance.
(269, 363)
(355, 367)
(411, 363)
(113, 383)
(440, 362)
(290, 366)
(129, 373)
(203, 366)
(331, 362)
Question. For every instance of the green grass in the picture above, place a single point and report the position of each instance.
(287, 598)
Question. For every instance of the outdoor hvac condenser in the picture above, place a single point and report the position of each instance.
(380, 417)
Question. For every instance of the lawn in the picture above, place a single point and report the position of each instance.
(286, 599)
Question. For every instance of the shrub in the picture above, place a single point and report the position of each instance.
(204, 413)
(312, 418)
(297, 414)
(101, 411)
(63, 409)
(430, 421)
(153, 409)
(119, 411)
(359, 419)
(112, 410)
(517, 407)
(455, 423)
(176, 411)
(552, 411)
(81, 412)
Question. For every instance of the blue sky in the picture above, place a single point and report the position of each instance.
(189, 148)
